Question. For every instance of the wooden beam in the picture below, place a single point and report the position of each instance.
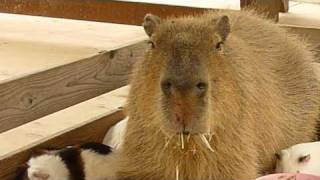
(94, 10)
(284, 6)
(43, 93)
(84, 122)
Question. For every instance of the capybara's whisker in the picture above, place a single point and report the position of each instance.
(205, 141)
(182, 140)
(177, 172)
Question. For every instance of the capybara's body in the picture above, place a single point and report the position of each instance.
(259, 96)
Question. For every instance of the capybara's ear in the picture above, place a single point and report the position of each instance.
(150, 23)
(278, 156)
(223, 27)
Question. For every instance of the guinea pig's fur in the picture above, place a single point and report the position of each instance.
(115, 135)
(302, 158)
(261, 97)
(91, 161)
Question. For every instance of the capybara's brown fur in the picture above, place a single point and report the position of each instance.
(238, 79)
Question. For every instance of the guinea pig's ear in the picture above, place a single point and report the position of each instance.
(39, 152)
(150, 23)
(222, 27)
(304, 159)
(278, 156)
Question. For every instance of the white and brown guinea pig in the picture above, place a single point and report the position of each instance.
(90, 161)
(301, 158)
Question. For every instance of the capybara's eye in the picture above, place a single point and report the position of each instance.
(219, 46)
(202, 86)
(151, 44)
(166, 86)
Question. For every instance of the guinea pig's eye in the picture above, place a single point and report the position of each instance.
(219, 46)
(151, 44)
(304, 159)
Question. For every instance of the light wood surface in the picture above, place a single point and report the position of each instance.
(87, 121)
(50, 64)
(302, 14)
(30, 44)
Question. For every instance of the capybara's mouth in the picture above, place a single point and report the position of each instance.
(204, 138)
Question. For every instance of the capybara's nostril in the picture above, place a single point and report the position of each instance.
(177, 118)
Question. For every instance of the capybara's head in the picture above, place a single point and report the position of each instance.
(193, 79)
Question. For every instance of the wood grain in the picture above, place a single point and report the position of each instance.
(37, 95)
(94, 10)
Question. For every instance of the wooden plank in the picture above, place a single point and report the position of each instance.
(284, 6)
(48, 64)
(45, 43)
(302, 14)
(43, 93)
(87, 121)
(120, 12)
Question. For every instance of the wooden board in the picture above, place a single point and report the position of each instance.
(87, 121)
(95, 10)
(302, 15)
(37, 95)
(50, 64)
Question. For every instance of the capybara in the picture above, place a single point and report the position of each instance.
(216, 96)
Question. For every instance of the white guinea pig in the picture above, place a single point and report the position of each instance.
(301, 158)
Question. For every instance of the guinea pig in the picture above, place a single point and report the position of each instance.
(115, 136)
(90, 161)
(301, 158)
